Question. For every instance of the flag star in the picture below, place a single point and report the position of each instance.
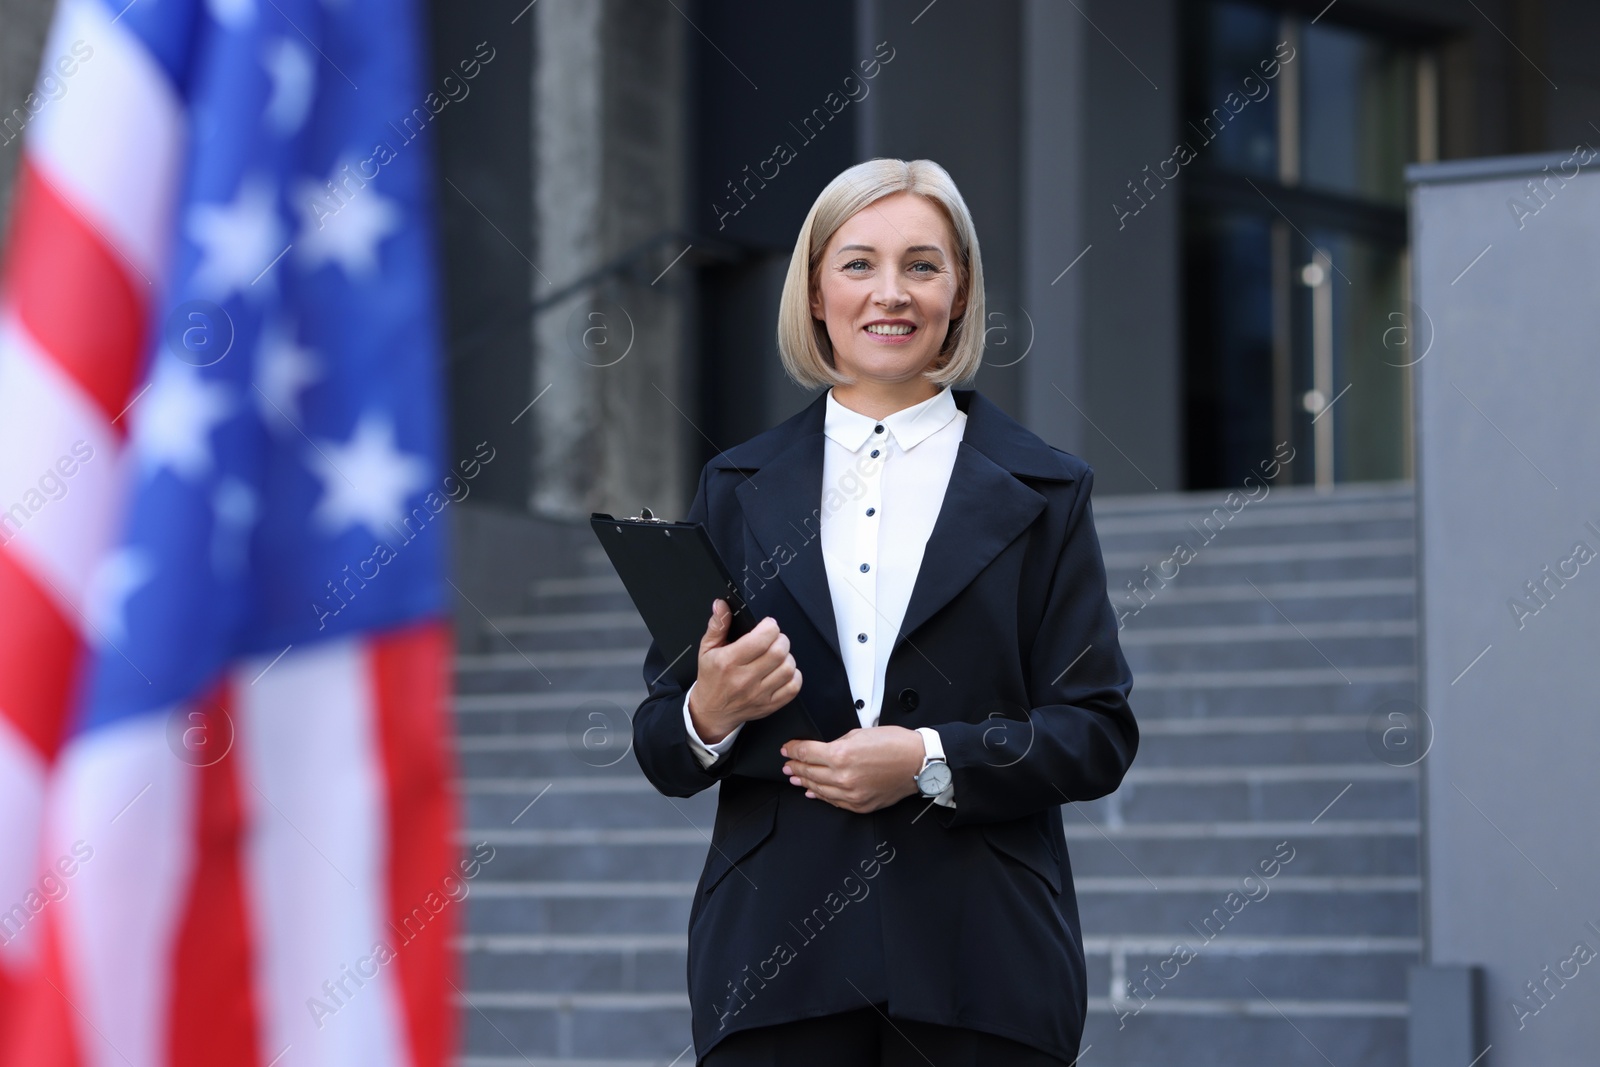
(283, 370)
(236, 509)
(118, 576)
(293, 76)
(174, 420)
(239, 242)
(232, 13)
(365, 480)
(344, 220)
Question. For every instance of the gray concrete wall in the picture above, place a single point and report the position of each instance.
(1050, 343)
(486, 231)
(1508, 483)
(1133, 374)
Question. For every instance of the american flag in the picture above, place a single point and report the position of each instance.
(226, 819)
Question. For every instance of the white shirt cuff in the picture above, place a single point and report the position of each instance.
(933, 747)
(706, 754)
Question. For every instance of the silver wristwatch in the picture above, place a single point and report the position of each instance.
(934, 778)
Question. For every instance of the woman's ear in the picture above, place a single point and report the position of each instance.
(816, 302)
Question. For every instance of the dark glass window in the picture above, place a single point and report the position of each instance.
(1356, 113)
(1228, 298)
(1294, 240)
(1239, 131)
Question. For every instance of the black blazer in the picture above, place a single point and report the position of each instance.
(962, 916)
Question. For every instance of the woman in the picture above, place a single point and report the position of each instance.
(895, 887)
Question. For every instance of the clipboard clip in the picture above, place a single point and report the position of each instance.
(645, 515)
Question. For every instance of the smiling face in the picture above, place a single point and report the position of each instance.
(887, 289)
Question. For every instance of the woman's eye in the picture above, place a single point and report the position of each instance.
(854, 263)
(924, 263)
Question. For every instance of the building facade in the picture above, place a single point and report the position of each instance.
(1192, 216)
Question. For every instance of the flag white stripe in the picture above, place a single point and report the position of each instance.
(116, 106)
(67, 522)
(21, 807)
(317, 868)
(121, 792)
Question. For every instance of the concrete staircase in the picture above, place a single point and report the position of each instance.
(1263, 668)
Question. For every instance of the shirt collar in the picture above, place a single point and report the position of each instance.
(908, 426)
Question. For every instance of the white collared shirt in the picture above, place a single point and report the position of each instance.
(883, 484)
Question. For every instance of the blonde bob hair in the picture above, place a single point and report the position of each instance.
(803, 341)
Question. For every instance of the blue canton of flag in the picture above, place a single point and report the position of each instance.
(284, 469)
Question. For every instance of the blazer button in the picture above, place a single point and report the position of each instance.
(908, 699)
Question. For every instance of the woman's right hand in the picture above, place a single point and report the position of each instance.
(748, 679)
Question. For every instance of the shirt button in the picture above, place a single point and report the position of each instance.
(871, 510)
(860, 703)
(878, 428)
(874, 453)
(865, 568)
(861, 637)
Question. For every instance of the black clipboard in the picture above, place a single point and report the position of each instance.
(673, 572)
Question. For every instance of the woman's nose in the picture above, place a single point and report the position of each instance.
(890, 293)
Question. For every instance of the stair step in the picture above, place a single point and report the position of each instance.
(1186, 915)
(1255, 695)
(584, 1028)
(1221, 572)
(1292, 651)
(1322, 967)
(560, 748)
(1175, 831)
(1187, 503)
(1270, 632)
(557, 753)
(1189, 966)
(1149, 850)
(596, 1027)
(1389, 597)
(505, 684)
(1118, 524)
(573, 915)
(1315, 751)
(1249, 1032)
(1135, 804)
(1213, 556)
(633, 786)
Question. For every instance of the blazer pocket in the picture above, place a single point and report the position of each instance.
(1021, 840)
(741, 839)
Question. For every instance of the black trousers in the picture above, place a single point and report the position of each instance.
(869, 1038)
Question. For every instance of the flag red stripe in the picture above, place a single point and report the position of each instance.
(11, 987)
(213, 1015)
(409, 673)
(46, 1034)
(37, 652)
(74, 294)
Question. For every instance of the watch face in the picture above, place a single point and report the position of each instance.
(934, 779)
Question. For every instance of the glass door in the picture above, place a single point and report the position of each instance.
(1297, 331)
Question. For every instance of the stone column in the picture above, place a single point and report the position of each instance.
(23, 25)
(609, 157)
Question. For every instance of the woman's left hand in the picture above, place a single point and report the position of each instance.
(864, 770)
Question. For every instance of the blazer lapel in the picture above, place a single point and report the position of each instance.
(782, 502)
(985, 508)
